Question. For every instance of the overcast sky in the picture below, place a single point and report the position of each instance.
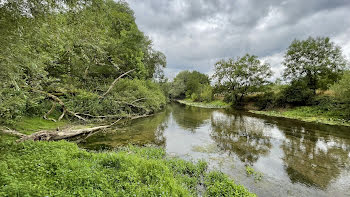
(194, 34)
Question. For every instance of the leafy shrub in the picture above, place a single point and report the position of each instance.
(265, 101)
(194, 97)
(298, 93)
(342, 92)
(207, 93)
(218, 184)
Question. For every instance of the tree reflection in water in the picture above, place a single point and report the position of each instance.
(313, 158)
(240, 135)
(139, 132)
(190, 118)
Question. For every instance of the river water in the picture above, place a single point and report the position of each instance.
(291, 158)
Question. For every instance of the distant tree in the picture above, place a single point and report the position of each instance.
(187, 83)
(318, 61)
(238, 77)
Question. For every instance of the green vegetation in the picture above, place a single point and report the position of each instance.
(251, 172)
(194, 85)
(29, 125)
(308, 114)
(237, 78)
(87, 60)
(317, 62)
(68, 56)
(62, 169)
(212, 104)
(342, 93)
(317, 85)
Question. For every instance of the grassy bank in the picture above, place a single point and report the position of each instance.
(307, 114)
(213, 104)
(62, 169)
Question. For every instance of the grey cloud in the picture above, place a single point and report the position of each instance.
(194, 34)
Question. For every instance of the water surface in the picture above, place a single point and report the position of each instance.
(295, 158)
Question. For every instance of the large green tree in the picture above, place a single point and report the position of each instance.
(238, 77)
(317, 61)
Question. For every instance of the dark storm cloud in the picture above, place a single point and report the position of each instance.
(194, 34)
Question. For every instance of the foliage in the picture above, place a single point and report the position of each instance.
(29, 125)
(206, 94)
(219, 185)
(187, 83)
(62, 169)
(317, 61)
(342, 92)
(298, 93)
(342, 88)
(73, 49)
(212, 104)
(128, 97)
(251, 172)
(237, 78)
(332, 114)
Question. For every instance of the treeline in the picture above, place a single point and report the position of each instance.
(315, 74)
(75, 59)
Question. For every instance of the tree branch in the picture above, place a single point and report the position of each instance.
(114, 82)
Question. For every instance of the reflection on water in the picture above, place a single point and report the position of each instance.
(297, 159)
(240, 135)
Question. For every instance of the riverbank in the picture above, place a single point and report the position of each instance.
(217, 104)
(63, 169)
(306, 114)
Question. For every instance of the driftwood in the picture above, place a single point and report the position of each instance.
(62, 134)
(57, 135)
(13, 132)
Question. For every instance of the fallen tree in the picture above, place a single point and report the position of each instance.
(58, 134)
(62, 134)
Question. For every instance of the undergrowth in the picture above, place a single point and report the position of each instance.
(212, 104)
(309, 114)
(62, 169)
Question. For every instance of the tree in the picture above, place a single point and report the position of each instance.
(238, 77)
(318, 61)
(187, 83)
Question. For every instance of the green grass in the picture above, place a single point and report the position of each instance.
(213, 104)
(62, 169)
(29, 125)
(308, 114)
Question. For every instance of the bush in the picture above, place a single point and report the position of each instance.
(298, 93)
(194, 97)
(341, 90)
(218, 184)
(266, 100)
(207, 93)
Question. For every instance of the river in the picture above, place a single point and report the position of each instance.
(291, 158)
